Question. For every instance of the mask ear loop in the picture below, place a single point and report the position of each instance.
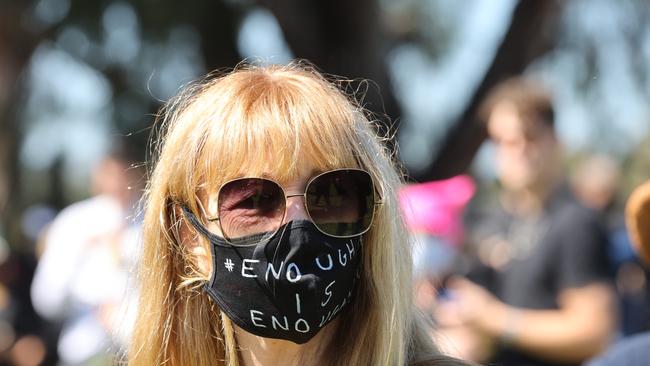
(175, 227)
(197, 223)
(203, 212)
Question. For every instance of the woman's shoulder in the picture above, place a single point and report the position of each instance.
(442, 360)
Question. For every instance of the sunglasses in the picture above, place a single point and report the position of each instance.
(341, 203)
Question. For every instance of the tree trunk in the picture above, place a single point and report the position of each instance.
(16, 47)
(345, 38)
(528, 37)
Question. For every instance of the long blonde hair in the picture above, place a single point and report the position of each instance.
(252, 120)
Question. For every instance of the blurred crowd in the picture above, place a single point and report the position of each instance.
(535, 268)
(72, 300)
(545, 273)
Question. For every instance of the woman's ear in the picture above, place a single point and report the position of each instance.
(188, 238)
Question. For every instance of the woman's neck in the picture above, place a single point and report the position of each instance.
(260, 351)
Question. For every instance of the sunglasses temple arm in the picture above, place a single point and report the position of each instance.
(205, 214)
(195, 221)
(379, 198)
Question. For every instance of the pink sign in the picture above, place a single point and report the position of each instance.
(436, 207)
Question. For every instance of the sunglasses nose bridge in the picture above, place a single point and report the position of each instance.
(295, 209)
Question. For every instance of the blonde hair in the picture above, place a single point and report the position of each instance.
(240, 122)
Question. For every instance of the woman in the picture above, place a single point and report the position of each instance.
(271, 232)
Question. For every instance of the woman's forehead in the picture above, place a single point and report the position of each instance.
(301, 175)
(300, 172)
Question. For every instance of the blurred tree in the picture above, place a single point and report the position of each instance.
(21, 32)
(216, 23)
(340, 37)
(343, 38)
(16, 47)
(528, 37)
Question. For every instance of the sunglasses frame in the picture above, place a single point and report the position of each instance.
(377, 201)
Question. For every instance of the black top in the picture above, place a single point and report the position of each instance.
(539, 257)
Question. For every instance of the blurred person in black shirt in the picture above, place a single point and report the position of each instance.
(596, 182)
(539, 293)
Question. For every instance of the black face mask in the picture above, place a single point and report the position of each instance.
(288, 286)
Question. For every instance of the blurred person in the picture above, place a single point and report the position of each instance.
(273, 233)
(21, 336)
(633, 351)
(544, 296)
(596, 181)
(82, 276)
(433, 213)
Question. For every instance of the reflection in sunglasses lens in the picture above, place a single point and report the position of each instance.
(341, 203)
(250, 206)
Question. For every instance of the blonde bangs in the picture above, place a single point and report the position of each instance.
(272, 125)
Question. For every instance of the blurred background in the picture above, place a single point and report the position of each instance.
(82, 79)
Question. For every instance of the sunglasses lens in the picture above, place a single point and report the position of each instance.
(341, 202)
(250, 206)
